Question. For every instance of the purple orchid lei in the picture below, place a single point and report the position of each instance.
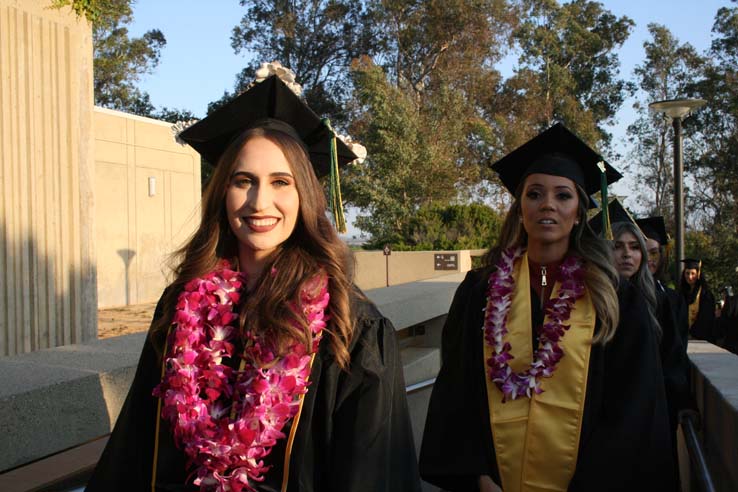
(227, 421)
(558, 310)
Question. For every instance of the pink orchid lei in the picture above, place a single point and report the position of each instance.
(558, 311)
(226, 421)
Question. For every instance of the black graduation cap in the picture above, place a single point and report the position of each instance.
(272, 99)
(654, 228)
(617, 214)
(555, 151)
(692, 263)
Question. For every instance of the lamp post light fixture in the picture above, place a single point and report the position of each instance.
(678, 110)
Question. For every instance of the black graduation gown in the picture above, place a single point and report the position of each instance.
(625, 442)
(727, 325)
(354, 433)
(679, 310)
(674, 360)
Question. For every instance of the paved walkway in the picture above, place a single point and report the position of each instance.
(113, 322)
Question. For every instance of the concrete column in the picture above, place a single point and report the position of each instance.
(47, 247)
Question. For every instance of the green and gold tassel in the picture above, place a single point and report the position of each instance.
(606, 227)
(335, 200)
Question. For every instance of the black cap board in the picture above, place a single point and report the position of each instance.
(559, 152)
(692, 263)
(617, 212)
(654, 228)
(269, 99)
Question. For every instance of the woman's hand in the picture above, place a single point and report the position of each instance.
(487, 485)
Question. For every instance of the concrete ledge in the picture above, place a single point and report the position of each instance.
(714, 381)
(56, 399)
(420, 364)
(416, 302)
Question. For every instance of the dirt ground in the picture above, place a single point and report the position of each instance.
(113, 322)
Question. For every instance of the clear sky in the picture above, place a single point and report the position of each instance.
(198, 63)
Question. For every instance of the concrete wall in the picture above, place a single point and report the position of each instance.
(47, 241)
(90, 381)
(375, 270)
(714, 381)
(137, 230)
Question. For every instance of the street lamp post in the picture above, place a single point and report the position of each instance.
(678, 110)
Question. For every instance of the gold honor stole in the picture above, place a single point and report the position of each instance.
(536, 439)
(694, 308)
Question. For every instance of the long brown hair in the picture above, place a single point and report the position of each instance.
(600, 276)
(642, 278)
(312, 249)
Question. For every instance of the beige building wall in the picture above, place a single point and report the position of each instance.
(47, 244)
(147, 192)
(375, 270)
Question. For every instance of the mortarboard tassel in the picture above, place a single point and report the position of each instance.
(335, 200)
(606, 228)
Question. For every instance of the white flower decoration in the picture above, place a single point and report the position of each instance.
(179, 127)
(275, 68)
(355, 147)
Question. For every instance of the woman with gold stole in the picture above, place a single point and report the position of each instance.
(699, 299)
(550, 376)
(265, 369)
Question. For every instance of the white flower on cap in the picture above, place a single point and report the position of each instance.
(275, 68)
(179, 127)
(355, 147)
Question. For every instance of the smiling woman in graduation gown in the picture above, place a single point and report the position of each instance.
(341, 443)
(265, 369)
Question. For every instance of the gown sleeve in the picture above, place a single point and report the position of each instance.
(126, 462)
(372, 449)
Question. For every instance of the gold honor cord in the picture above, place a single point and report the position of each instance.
(158, 415)
(291, 439)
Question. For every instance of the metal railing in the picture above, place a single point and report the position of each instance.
(698, 464)
(419, 386)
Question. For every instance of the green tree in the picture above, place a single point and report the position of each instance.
(669, 71)
(317, 39)
(120, 60)
(410, 161)
(419, 109)
(472, 226)
(713, 193)
(89, 9)
(567, 71)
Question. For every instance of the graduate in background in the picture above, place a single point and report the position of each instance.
(654, 228)
(265, 368)
(550, 376)
(630, 254)
(699, 299)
